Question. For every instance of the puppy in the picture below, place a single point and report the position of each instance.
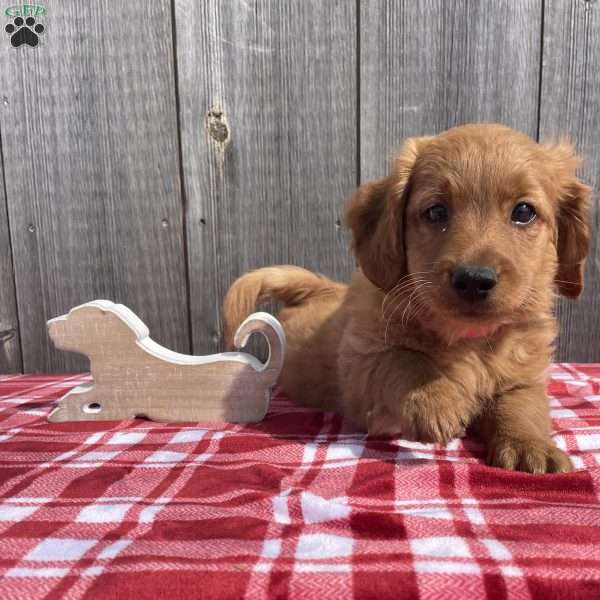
(448, 322)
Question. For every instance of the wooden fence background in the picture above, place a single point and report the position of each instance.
(153, 151)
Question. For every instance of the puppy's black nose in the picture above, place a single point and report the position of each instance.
(473, 282)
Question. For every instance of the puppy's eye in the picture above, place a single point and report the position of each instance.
(523, 214)
(438, 213)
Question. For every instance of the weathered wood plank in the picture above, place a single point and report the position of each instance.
(92, 173)
(427, 66)
(10, 349)
(570, 104)
(268, 118)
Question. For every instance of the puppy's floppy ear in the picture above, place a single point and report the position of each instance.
(573, 220)
(375, 214)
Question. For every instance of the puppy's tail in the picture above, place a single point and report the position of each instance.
(289, 284)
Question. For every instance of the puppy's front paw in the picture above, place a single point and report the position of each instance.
(426, 415)
(532, 455)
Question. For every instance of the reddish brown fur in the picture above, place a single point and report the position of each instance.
(389, 351)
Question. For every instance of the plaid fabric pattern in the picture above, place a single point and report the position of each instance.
(297, 506)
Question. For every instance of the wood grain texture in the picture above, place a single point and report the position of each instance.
(268, 125)
(427, 66)
(91, 157)
(134, 376)
(10, 349)
(570, 104)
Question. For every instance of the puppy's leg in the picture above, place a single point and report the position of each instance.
(516, 428)
(400, 392)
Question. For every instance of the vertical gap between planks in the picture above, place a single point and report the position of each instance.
(541, 74)
(358, 104)
(12, 255)
(184, 200)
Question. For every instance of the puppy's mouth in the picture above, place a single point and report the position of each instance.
(472, 314)
(483, 312)
(463, 322)
(473, 323)
(483, 317)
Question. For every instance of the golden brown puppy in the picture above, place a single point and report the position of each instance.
(449, 320)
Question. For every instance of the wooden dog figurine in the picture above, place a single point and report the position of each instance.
(136, 377)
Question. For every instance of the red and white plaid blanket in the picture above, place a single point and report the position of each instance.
(298, 506)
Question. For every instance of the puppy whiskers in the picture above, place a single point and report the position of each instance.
(398, 292)
(420, 305)
(390, 319)
(405, 281)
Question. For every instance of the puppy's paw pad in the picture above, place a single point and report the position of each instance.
(531, 456)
